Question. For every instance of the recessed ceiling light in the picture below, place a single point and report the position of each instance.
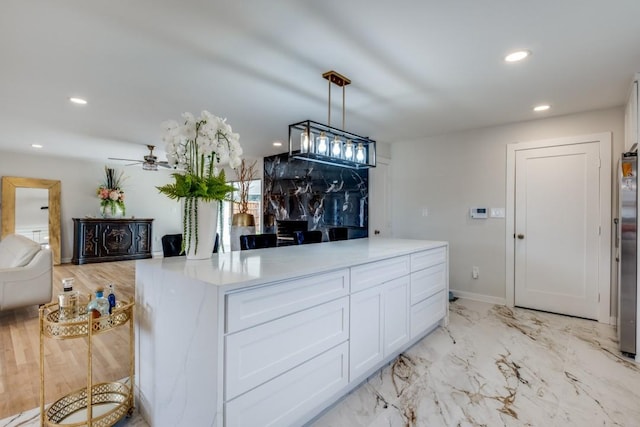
(277, 144)
(543, 107)
(516, 56)
(36, 145)
(78, 101)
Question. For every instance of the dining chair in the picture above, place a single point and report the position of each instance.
(306, 237)
(258, 241)
(338, 233)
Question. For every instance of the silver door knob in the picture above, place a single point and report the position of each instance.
(520, 236)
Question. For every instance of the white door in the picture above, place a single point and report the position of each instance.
(379, 199)
(557, 229)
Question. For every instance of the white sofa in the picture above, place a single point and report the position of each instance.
(26, 273)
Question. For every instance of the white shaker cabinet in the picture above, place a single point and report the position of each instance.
(286, 348)
(273, 337)
(379, 324)
(429, 289)
(379, 313)
(366, 346)
(396, 315)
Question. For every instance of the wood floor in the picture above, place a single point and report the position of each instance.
(65, 360)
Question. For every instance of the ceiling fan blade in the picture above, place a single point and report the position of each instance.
(164, 165)
(126, 160)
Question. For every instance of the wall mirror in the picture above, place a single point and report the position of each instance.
(24, 205)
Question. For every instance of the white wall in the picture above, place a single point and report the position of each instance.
(449, 174)
(79, 180)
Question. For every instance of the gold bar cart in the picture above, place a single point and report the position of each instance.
(97, 405)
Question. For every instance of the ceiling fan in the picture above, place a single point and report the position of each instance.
(150, 162)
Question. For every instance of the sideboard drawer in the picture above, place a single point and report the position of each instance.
(427, 313)
(372, 274)
(258, 354)
(288, 399)
(254, 306)
(428, 258)
(427, 282)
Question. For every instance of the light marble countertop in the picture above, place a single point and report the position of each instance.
(238, 269)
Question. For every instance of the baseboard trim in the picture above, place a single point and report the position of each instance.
(479, 297)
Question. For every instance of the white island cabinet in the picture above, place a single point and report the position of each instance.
(272, 337)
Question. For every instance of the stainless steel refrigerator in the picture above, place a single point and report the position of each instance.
(627, 244)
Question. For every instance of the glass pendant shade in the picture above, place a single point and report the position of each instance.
(336, 147)
(321, 143)
(360, 153)
(348, 150)
(306, 142)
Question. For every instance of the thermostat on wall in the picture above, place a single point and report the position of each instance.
(479, 213)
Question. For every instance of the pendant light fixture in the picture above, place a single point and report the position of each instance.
(316, 142)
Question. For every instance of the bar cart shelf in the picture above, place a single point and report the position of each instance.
(96, 405)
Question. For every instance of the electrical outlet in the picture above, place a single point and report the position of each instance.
(475, 272)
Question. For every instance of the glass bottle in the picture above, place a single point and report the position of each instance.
(67, 302)
(99, 306)
(111, 297)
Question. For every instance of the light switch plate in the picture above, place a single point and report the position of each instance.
(497, 212)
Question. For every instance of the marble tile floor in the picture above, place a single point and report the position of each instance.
(492, 366)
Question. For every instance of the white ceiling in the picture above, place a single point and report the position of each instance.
(418, 67)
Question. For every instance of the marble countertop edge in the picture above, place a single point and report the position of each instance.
(240, 269)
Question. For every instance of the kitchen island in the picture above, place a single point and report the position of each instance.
(275, 336)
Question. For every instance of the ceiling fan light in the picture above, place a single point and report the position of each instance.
(149, 166)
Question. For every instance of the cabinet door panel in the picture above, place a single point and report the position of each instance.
(427, 282)
(396, 314)
(261, 353)
(427, 313)
(117, 239)
(289, 398)
(428, 258)
(372, 274)
(254, 306)
(366, 336)
(88, 239)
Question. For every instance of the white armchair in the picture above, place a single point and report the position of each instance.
(26, 273)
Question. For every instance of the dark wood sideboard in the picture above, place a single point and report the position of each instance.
(102, 240)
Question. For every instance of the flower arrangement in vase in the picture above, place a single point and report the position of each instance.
(197, 148)
(111, 194)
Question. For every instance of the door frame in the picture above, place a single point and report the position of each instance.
(604, 247)
(381, 211)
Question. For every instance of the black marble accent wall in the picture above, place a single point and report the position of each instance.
(325, 196)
